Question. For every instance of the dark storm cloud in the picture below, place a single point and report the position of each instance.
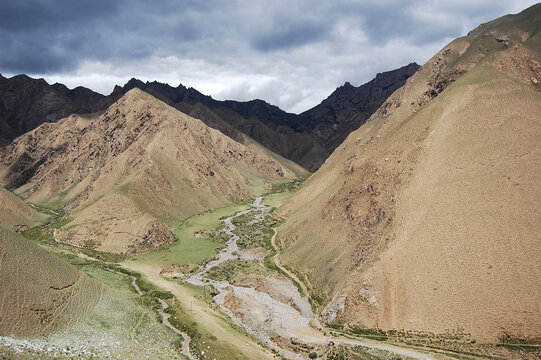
(292, 53)
(43, 37)
(287, 34)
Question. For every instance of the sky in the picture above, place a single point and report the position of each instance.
(292, 54)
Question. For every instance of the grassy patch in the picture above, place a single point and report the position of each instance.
(286, 185)
(197, 239)
(275, 200)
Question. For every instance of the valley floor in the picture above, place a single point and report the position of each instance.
(220, 293)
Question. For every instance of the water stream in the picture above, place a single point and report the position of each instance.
(267, 316)
(263, 316)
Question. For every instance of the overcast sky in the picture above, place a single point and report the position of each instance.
(290, 53)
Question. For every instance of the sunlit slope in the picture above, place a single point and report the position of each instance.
(138, 169)
(428, 217)
(40, 293)
(14, 213)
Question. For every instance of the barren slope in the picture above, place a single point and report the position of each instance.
(139, 165)
(308, 138)
(40, 293)
(14, 213)
(428, 217)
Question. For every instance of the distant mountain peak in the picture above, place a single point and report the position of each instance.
(315, 133)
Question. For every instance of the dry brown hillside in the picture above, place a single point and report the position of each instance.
(128, 174)
(14, 213)
(428, 217)
(40, 293)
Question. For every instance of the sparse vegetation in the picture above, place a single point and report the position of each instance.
(444, 172)
(229, 270)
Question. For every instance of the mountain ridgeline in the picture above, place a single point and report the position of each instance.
(132, 172)
(306, 139)
(421, 221)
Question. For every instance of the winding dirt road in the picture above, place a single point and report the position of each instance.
(276, 259)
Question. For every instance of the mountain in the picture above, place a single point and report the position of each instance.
(40, 293)
(348, 107)
(135, 171)
(427, 218)
(26, 103)
(306, 139)
(241, 121)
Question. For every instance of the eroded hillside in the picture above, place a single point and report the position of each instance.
(427, 217)
(129, 174)
(15, 213)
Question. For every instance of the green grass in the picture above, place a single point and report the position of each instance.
(276, 200)
(187, 250)
(191, 250)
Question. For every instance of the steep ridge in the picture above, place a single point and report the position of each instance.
(242, 121)
(26, 103)
(348, 107)
(40, 293)
(306, 139)
(134, 171)
(427, 217)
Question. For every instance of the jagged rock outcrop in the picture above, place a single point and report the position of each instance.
(348, 107)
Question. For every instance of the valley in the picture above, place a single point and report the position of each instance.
(220, 294)
(397, 219)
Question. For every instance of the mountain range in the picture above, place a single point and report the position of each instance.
(306, 139)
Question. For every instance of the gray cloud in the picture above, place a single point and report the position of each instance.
(288, 33)
(292, 54)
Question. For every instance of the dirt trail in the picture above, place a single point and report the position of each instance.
(203, 314)
(276, 259)
(165, 316)
(136, 287)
